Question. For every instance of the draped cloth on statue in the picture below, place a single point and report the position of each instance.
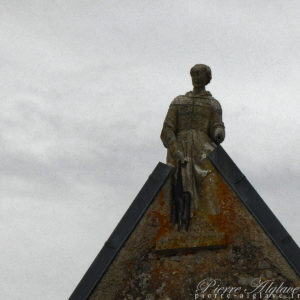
(189, 127)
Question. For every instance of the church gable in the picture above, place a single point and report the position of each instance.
(245, 241)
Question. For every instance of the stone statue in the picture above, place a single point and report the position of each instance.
(192, 128)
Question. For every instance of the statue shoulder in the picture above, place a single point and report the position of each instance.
(215, 104)
(179, 100)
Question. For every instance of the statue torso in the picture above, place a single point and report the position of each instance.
(193, 112)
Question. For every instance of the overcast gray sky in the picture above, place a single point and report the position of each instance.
(85, 86)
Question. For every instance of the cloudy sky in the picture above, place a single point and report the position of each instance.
(84, 88)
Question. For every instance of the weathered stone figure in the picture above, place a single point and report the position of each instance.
(192, 129)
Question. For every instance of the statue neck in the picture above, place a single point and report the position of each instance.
(198, 90)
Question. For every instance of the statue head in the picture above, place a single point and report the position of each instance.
(201, 75)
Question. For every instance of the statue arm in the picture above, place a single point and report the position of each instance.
(217, 128)
(168, 135)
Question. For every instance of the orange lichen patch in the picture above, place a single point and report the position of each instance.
(201, 235)
(156, 277)
(226, 220)
(206, 231)
(164, 225)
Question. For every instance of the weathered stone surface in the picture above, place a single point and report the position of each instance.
(192, 128)
(142, 271)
